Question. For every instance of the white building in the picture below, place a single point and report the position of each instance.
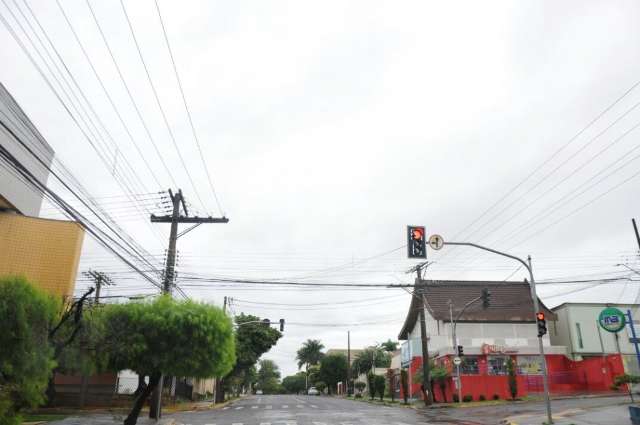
(577, 328)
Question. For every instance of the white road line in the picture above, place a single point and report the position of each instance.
(254, 407)
(226, 408)
(319, 423)
(284, 406)
(237, 423)
(239, 407)
(314, 406)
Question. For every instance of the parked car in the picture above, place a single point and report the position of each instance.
(313, 391)
(259, 392)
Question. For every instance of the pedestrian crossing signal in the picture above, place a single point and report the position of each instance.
(416, 242)
(542, 324)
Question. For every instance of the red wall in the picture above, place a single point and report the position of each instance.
(591, 375)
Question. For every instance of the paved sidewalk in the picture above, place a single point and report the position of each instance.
(109, 420)
(610, 415)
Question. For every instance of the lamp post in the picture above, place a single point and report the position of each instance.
(532, 285)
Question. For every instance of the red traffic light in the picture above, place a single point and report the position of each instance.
(540, 316)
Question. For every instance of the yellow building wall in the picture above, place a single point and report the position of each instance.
(45, 251)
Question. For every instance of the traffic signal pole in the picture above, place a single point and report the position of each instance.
(536, 306)
(177, 200)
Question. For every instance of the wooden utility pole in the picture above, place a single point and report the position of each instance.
(175, 218)
(218, 395)
(100, 279)
(348, 363)
(426, 373)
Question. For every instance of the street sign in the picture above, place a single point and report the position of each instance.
(457, 361)
(436, 242)
(612, 319)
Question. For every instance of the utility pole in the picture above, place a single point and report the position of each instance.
(635, 228)
(218, 381)
(348, 363)
(100, 278)
(175, 218)
(426, 387)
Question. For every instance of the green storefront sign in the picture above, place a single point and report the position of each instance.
(612, 319)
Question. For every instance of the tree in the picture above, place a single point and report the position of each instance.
(379, 384)
(175, 338)
(440, 375)
(333, 369)
(360, 386)
(389, 346)
(513, 382)
(321, 386)
(310, 353)
(294, 384)
(268, 377)
(404, 382)
(26, 353)
(391, 377)
(371, 384)
(253, 339)
(365, 360)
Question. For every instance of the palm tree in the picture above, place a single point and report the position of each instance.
(309, 354)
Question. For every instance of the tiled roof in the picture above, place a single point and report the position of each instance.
(510, 302)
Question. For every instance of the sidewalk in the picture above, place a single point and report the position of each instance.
(611, 415)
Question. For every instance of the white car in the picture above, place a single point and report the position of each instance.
(313, 391)
(259, 392)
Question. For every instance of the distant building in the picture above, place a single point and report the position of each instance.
(577, 328)
(490, 337)
(46, 252)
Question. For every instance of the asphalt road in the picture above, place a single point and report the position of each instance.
(305, 410)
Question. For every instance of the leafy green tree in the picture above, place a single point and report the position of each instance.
(333, 369)
(513, 382)
(379, 383)
(167, 337)
(321, 386)
(365, 360)
(268, 377)
(440, 375)
(310, 353)
(313, 374)
(371, 385)
(294, 384)
(389, 346)
(253, 339)
(26, 352)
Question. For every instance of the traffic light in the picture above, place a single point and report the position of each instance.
(281, 325)
(460, 351)
(266, 322)
(416, 242)
(486, 298)
(542, 324)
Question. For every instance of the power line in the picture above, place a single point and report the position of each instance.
(186, 107)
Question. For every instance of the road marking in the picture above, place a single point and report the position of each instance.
(314, 406)
(319, 423)
(284, 406)
(225, 408)
(265, 423)
(239, 407)
(300, 406)
(254, 407)
(237, 423)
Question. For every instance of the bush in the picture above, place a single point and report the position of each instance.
(456, 399)
(358, 395)
(467, 398)
(482, 397)
(360, 386)
(496, 397)
(380, 383)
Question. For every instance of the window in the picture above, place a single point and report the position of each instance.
(579, 331)
(529, 365)
(497, 365)
(469, 365)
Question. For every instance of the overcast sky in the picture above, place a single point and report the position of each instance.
(329, 126)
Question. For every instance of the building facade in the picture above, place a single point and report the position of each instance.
(490, 337)
(577, 328)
